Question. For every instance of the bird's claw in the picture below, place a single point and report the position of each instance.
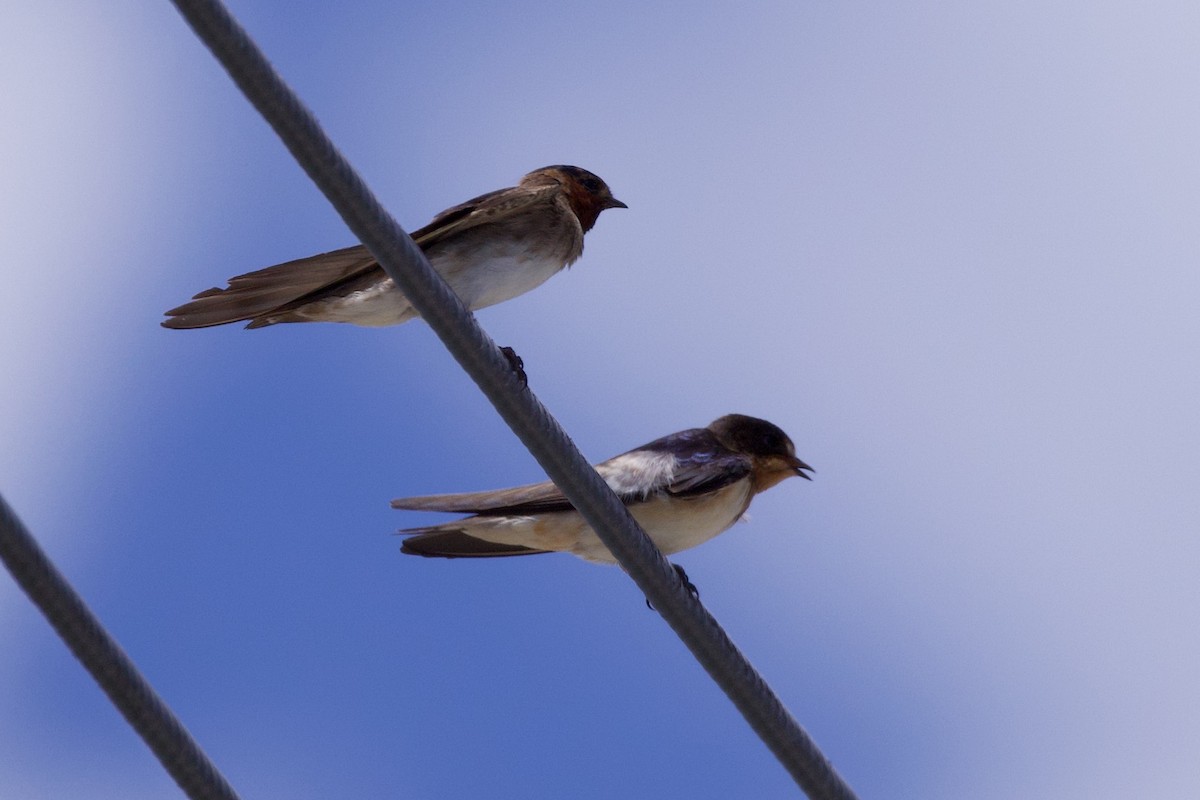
(516, 363)
(687, 584)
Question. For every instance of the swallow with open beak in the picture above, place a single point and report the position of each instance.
(489, 249)
(683, 489)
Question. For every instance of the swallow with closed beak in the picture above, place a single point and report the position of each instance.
(683, 489)
(489, 249)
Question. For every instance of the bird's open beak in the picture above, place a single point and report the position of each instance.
(799, 466)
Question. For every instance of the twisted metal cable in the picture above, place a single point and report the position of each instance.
(478, 355)
(100, 654)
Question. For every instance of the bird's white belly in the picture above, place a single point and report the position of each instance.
(501, 278)
(675, 524)
(478, 283)
(377, 306)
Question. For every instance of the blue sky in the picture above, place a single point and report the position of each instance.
(952, 251)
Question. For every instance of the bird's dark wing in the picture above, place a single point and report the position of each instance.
(266, 290)
(702, 463)
(289, 285)
(682, 464)
(482, 210)
(497, 502)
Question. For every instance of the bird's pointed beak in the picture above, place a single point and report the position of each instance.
(613, 202)
(799, 467)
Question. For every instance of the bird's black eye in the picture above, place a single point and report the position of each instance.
(592, 185)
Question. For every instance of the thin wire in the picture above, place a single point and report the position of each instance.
(100, 654)
(478, 355)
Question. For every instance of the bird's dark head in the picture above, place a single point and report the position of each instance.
(773, 453)
(586, 192)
